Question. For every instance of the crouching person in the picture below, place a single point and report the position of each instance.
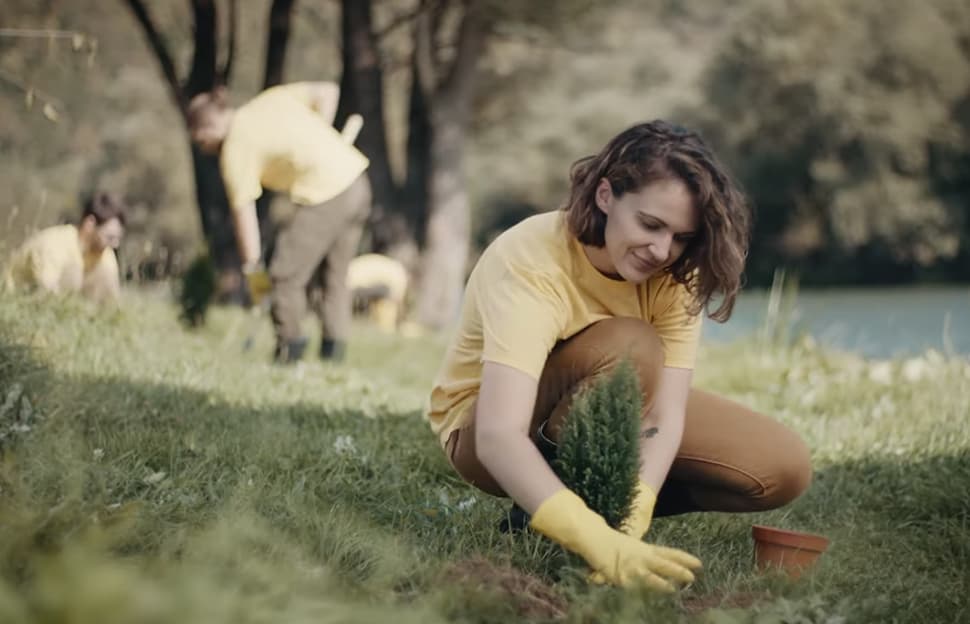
(379, 285)
(653, 235)
(69, 258)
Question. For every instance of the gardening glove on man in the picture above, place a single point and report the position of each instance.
(641, 511)
(258, 283)
(619, 558)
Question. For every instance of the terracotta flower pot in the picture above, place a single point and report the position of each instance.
(790, 551)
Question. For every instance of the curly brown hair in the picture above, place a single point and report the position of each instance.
(713, 262)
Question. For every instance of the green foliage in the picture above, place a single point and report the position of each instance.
(598, 456)
(197, 290)
(848, 124)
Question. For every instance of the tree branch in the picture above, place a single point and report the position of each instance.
(398, 21)
(162, 54)
(472, 36)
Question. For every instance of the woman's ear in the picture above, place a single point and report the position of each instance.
(604, 195)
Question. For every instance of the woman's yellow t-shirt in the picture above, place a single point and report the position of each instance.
(532, 287)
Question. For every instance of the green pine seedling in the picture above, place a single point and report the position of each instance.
(198, 290)
(598, 456)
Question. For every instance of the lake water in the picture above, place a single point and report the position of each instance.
(873, 322)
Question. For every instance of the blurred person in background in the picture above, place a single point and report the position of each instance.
(379, 286)
(74, 258)
(284, 140)
(654, 233)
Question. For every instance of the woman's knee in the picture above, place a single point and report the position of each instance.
(790, 476)
(623, 338)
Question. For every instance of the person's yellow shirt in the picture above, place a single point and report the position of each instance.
(52, 260)
(532, 287)
(377, 272)
(279, 142)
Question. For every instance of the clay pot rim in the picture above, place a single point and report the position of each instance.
(793, 539)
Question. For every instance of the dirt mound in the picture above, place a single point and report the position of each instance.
(532, 597)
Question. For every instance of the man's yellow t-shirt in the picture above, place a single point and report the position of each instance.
(52, 260)
(278, 141)
(532, 287)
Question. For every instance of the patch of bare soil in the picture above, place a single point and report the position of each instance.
(532, 597)
(737, 600)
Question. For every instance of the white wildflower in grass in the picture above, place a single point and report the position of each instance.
(155, 477)
(881, 372)
(914, 369)
(884, 407)
(466, 504)
(344, 445)
(98, 454)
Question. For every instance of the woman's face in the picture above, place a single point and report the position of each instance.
(646, 231)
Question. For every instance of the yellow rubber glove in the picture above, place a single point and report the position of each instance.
(258, 284)
(641, 513)
(620, 559)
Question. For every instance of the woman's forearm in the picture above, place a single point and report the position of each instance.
(659, 441)
(516, 464)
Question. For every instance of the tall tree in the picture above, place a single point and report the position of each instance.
(205, 73)
(431, 207)
(362, 91)
(446, 84)
(279, 25)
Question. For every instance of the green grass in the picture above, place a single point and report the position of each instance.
(152, 474)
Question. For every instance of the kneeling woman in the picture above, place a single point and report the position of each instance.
(655, 234)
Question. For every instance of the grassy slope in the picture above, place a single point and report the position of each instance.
(169, 477)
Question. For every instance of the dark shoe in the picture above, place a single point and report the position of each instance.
(332, 350)
(289, 351)
(515, 521)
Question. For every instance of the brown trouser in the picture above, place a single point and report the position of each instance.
(730, 458)
(320, 242)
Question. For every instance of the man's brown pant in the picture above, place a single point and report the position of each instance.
(730, 458)
(320, 242)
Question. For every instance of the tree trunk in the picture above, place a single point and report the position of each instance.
(448, 232)
(449, 223)
(216, 220)
(280, 22)
(361, 91)
(416, 180)
(280, 15)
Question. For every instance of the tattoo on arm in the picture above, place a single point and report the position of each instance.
(649, 433)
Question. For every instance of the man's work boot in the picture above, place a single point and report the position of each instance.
(289, 351)
(332, 350)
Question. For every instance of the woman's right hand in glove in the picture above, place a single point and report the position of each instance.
(617, 558)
